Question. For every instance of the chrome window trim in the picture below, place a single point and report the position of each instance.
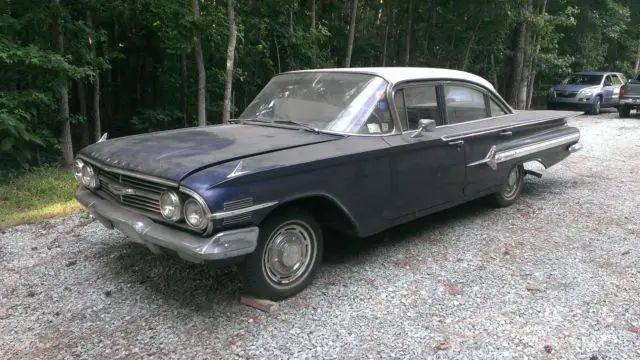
(128, 172)
(226, 214)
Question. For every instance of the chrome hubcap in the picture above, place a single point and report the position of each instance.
(288, 253)
(512, 183)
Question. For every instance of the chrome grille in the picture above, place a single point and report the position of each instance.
(235, 205)
(143, 194)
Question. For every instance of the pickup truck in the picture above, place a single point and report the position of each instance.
(629, 97)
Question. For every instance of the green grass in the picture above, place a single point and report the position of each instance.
(37, 194)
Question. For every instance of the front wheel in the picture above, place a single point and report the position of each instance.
(511, 188)
(624, 111)
(595, 107)
(289, 251)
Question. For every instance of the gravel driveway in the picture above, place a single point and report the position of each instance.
(555, 276)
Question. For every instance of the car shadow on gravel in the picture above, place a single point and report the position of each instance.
(342, 249)
(169, 279)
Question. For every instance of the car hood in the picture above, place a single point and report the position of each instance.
(572, 87)
(175, 154)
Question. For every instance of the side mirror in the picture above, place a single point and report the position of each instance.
(427, 125)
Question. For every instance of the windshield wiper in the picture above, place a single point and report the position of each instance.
(289, 122)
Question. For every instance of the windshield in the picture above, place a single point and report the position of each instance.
(583, 79)
(330, 101)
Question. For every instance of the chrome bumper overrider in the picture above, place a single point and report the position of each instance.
(141, 229)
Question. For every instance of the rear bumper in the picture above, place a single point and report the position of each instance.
(630, 101)
(141, 229)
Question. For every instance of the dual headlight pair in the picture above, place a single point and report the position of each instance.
(172, 209)
(171, 206)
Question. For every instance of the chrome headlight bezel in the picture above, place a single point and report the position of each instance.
(170, 199)
(192, 205)
(89, 178)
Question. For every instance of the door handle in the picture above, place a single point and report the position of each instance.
(505, 133)
(457, 143)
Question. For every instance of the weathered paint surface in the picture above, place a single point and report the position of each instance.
(174, 154)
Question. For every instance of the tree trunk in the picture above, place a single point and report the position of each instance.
(202, 76)
(352, 33)
(407, 46)
(313, 14)
(494, 72)
(526, 75)
(470, 45)
(183, 80)
(386, 40)
(637, 67)
(97, 126)
(231, 48)
(82, 100)
(517, 67)
(63, 93)
(533, 62)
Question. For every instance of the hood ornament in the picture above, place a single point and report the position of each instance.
(103, 137)
(237, 171)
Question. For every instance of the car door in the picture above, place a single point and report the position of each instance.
(607, 90)
(467, 104)
(617, 83)
(426, 172)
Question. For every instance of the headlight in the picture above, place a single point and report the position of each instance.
(170, 206)
(77, 170)
(194, 214)
(586, 92)
(89, 178)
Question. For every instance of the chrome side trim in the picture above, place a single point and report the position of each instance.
(129, 173)
(226, 214)
(494, 157)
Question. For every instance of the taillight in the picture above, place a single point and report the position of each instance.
(622, 91)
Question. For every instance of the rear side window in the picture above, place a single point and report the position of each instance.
(464, 104)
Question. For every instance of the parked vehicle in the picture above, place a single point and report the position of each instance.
(629, 97)
(357, 150)
(587, 91)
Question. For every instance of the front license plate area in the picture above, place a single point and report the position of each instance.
(129, 231)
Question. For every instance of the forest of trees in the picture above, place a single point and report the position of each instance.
(71, 70)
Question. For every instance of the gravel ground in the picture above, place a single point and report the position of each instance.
(555, 276)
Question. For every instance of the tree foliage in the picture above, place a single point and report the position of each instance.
(130, 65)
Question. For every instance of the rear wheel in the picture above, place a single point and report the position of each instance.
(511, 188)
(289, 251)
(624, 111)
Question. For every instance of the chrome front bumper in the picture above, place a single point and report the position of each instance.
(141, 229)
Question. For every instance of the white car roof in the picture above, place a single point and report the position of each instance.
(398, 74)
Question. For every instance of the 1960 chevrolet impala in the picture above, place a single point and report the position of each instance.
(357, 150)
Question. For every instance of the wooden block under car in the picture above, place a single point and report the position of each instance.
(260, 304)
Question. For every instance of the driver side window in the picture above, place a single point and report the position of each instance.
(417, 102)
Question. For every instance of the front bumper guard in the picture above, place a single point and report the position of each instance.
(142, 230)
